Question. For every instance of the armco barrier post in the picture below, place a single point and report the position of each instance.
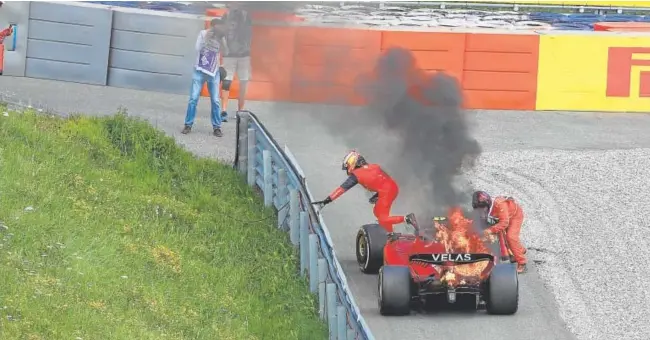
(341, 323)
(268, 178)
(313, 263)
(322, 281)
(243, 142)
(331, 309)
(294, 216)
(252, 147)
(304, 242)
(282, 198)
(295, 233)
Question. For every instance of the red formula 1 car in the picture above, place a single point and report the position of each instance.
(458, 262)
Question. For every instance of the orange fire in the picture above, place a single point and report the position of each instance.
(458, 236)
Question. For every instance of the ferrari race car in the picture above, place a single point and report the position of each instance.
(457, 262)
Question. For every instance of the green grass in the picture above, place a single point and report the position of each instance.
(111, 231)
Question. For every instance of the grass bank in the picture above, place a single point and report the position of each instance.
(111, 231)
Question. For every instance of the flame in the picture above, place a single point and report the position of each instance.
(458, 236)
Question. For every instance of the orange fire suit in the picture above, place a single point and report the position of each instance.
(510, 216)
(5, 33)
(374, 179)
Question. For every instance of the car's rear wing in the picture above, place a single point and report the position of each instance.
(451, 258)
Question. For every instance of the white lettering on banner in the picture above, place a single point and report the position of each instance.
(208, 61)
(452, 257)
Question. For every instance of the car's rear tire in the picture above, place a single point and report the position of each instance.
(394, 283)
(502, 295)
(370, 243)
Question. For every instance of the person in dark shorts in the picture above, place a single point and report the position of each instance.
(237, 61)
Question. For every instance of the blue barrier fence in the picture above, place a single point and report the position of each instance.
(274, 171)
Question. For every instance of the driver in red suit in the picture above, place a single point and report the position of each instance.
(374, 179)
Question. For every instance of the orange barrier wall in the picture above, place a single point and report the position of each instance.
(322, 65)
(328, 61)
(272, 57)
(500, 71)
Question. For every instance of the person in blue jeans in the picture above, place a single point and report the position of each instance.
(209, 44)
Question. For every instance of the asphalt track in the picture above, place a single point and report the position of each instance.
(581, 177)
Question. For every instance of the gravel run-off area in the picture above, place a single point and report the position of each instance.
(587, 229)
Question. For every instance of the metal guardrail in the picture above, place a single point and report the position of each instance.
(275, 172)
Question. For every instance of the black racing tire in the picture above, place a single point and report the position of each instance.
(370, 242)
(502, 295)
(394, 284)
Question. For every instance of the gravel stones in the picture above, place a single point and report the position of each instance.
(586, 224)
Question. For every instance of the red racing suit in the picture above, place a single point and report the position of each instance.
(374, 179)
(5, 33)
(510, 217)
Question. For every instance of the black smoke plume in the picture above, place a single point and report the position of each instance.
(414, 126)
